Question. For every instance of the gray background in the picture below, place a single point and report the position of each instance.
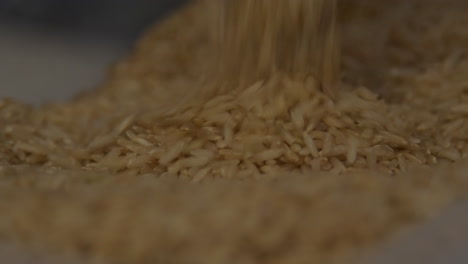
(52, 49)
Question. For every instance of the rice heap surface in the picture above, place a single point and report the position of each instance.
(161, 165)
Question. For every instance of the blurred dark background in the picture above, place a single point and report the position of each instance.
(51, 49)
(122, 19)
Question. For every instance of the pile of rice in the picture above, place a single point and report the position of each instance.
(160, 165)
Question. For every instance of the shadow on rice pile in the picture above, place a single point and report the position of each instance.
(161, 166)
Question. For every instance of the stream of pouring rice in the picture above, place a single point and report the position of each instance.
(260, 38)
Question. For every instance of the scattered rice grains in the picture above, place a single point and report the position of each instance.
(159, 166)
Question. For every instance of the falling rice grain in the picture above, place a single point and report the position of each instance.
(402, 163)
(172, 153)
(201, 174)
(270, 154)
(351, 155)
(327, 144)
(310, 144)
(451, 154)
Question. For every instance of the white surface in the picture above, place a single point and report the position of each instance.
(39, 67)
